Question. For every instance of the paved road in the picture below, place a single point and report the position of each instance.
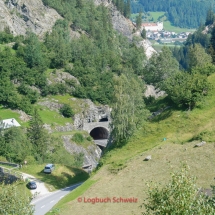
(45, 203)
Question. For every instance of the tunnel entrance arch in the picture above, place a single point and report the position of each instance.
(100, 136)
(99, 133)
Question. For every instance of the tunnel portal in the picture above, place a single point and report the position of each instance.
(99, 133)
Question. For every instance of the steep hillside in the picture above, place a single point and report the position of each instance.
(125, 173)
(26, 15)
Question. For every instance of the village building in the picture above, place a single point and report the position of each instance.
(151, 26)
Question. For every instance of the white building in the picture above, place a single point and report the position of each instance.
(152, 26)
(7, 123)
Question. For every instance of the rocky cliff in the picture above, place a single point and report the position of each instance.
(120, 23)
(23, 15)
(92, 153)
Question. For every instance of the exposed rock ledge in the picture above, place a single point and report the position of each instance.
(92, 153)
(23, 15)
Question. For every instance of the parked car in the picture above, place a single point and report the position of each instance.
(49, 168)
(32, 185)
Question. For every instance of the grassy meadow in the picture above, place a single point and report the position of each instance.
(124, 172)
(167, 25)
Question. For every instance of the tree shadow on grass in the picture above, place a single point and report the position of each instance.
(64, 179)
(161, 116)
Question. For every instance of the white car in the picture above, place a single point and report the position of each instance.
(49, 168)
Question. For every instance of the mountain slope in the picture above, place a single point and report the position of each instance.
(26, 15)
(125, 174)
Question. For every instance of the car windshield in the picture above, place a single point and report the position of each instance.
(32, 183)
(47, 167)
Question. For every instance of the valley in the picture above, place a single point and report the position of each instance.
(106, 122)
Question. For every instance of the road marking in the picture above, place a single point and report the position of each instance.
(52, 201)
(43, 206)
(61, 197)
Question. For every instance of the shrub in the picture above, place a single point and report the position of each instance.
(78, 138)
(66, 111)
(89, 138)
(30, 159)
(3, 159)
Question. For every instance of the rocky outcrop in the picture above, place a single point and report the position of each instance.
(22, 115)
(51, 105)
(92, 153)
(149, 50)
(59, 76)
(21, 16)
(152, 91)
(119, 22)
(91, 113)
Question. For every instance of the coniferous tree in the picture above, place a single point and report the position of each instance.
(212, 45)
(139, 20)
(197, 57)
(209, 17)
(37, 134)
(143, 33)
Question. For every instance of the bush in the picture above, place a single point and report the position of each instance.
(78, 138)
(179, 196)
(89, 138)
(3, 159)
(30, 160)
(66, 111)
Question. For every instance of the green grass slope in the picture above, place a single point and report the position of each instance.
(125, 174)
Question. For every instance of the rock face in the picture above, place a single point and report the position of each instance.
(91, 113)
(151, 91)
(23, 15)
(92, 153)
(120, 23)
(61, 77)
(149, 50)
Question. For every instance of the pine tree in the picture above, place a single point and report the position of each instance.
(209, 17)
(143, 33)
(139, 21)
(197, 57)
(37, 134)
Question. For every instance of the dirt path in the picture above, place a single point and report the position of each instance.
(41, 188)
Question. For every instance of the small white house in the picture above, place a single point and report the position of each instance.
(8, 123)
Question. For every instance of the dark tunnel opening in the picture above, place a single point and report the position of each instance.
(103, 120)
(99, 133)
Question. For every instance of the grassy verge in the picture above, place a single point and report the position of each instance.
(71, 196)
(23, 190)
(7, 114)
(85, 134)
(52, 117)
(169, 27)
(61, 177)
(158, 46)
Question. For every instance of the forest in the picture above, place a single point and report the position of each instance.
(184, 13)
